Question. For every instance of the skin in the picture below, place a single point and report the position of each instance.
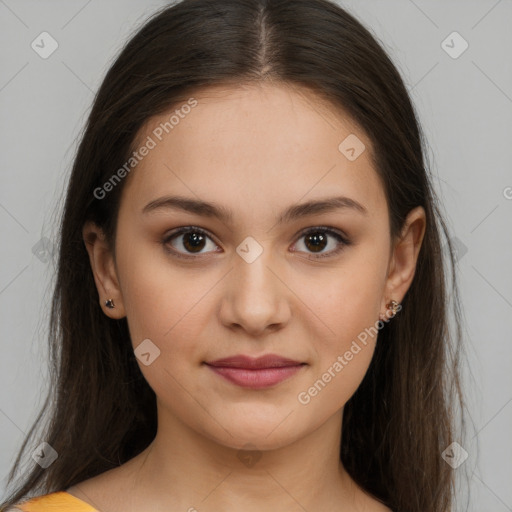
(254, 149)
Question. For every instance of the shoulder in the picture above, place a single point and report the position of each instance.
(60, 501)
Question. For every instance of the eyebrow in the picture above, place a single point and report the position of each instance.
(206, 209)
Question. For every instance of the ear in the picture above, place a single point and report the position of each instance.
(404, 257)
(103, 269)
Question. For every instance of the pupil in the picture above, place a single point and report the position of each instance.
(318, 241)
(194, 240)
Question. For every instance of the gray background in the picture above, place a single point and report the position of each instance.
(465, 107)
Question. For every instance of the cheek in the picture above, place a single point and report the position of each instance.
(348, 300)
(342, 357)
(348, 307)
(333, 385)
(162, 302)
(165, 305)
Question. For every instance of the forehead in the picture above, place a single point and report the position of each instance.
(254, 146)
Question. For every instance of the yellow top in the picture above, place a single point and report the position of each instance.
(60, 501)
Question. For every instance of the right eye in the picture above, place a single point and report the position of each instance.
(190, 240)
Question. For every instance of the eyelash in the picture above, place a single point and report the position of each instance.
(342, 239)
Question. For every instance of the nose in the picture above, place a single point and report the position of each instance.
(256, 297)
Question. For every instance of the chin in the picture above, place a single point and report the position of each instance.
(258, 432)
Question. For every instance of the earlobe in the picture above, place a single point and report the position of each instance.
(405, 256)
(103, 270)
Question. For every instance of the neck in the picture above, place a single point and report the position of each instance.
(190, 471)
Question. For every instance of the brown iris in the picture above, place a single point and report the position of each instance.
(318, 241)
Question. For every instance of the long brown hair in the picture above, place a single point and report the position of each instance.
(100, 410)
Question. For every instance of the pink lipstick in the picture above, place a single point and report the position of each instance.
(255, 373)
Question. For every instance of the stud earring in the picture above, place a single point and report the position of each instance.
(394, 306)
(110, 303)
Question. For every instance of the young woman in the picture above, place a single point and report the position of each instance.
(250, 310)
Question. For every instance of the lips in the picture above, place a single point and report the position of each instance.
(251, 363)
(256, 373)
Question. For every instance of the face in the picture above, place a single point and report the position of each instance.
(254, 272)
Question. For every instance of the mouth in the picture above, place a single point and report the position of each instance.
(255, 373)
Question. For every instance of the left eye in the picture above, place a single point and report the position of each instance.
(192, 240)
(316, 239)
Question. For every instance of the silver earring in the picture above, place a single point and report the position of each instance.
(110, 303)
